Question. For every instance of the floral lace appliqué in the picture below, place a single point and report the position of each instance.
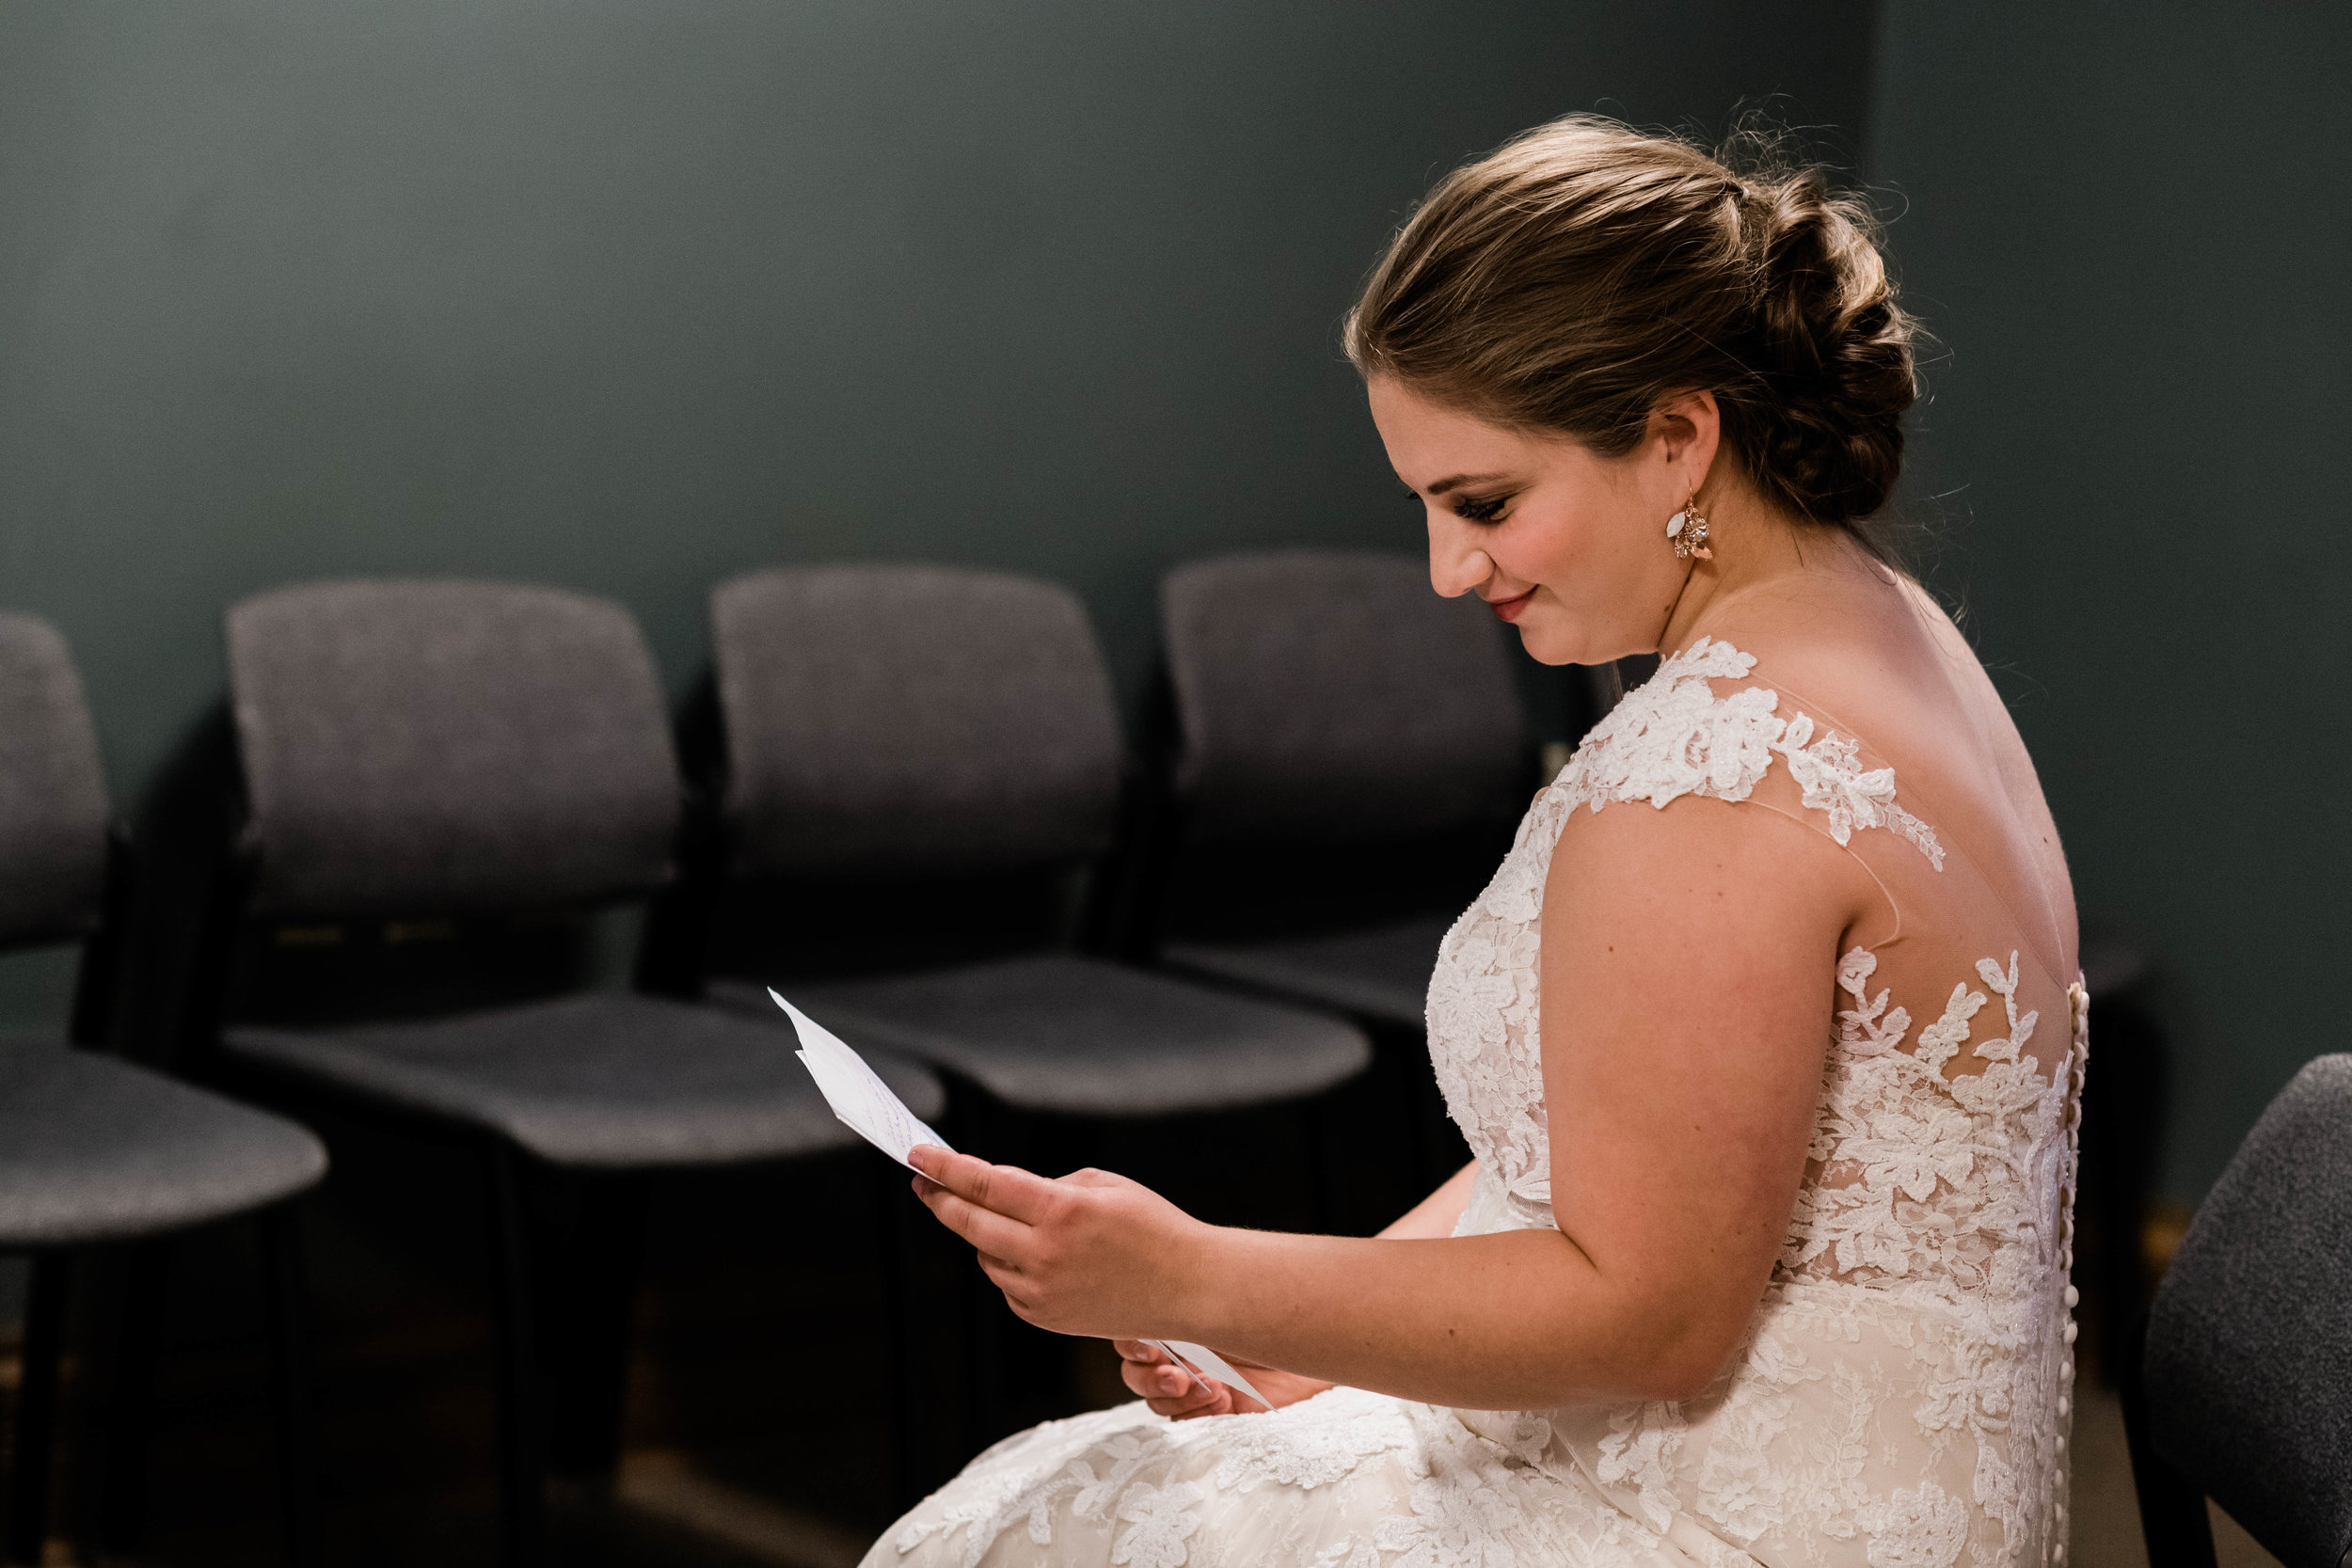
(1673, 736)
(1900, 1399)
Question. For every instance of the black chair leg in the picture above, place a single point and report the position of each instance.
(285, 1283)
(932, 1427)
(2172, 1512)
(2120, 1124)
(522, 1428)
(131, 1397)
(909, 1421)
(37, 1405)
(587, 1307)
(994, 1132)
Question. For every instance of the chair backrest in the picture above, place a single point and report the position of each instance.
(911, 720)
(1329, 695)
(447, 747)
(2248, 1365)
(53, 792)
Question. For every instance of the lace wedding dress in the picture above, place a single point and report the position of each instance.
(1900, 1399)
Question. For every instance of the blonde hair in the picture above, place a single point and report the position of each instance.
(1585, 272)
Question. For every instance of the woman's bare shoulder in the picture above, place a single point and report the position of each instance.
(1896, 675)
(1886, 666)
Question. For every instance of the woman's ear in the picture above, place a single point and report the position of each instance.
(1686, 430)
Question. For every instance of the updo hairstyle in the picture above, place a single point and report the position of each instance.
(1585, 272)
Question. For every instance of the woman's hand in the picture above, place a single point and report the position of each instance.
(1175, 1393)
(1091, 1254)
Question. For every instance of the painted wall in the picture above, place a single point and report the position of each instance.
(633, 296)
(2128, 226)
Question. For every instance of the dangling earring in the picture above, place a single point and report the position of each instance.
(1688, 530)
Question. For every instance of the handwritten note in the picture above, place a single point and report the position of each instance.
(866, 1106)
(860, 1100)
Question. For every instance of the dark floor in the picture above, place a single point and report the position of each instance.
(757, 1427)
(757, 1404)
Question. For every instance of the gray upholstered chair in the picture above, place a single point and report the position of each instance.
(96, 1153)
(1338, 757)
(430, 762)
(917, 774)
(922, 767)
(2243, 1392)
(1349, 754)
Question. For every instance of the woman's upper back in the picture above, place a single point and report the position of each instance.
(1942, 1157)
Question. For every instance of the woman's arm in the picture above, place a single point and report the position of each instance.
(1175, 1393)
(1686, 966)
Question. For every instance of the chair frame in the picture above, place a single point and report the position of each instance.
(676, 961)
(528, 1456)
(133, 1322)
(547, 1426)
(1141, 875)
(2172, 1513)
(673, 961)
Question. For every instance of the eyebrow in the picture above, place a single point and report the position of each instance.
(1455, 482)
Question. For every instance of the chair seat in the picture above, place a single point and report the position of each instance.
(94, 1149)
(1079, 1036)
(602, 1080)
(1381, 974)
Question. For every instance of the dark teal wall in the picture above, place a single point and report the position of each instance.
(632, 297)
(2130, 226)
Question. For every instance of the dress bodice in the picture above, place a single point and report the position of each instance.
(1938, 1185)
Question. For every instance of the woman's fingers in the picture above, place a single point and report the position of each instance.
(1206, 1398)
(1158, 1379)
(1147, 1371)
(985, 1228)
(1168, 1389)
(1007, 1190)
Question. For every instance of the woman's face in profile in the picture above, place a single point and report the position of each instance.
(1567, 547)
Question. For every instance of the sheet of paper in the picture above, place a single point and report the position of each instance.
(866, 1106)
(862, 1101)
(1200, 1361)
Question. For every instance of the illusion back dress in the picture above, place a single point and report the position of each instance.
(1902, 1397)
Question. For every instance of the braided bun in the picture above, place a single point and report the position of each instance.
(1586, 272)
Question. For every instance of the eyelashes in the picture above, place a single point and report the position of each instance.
(1475, 509)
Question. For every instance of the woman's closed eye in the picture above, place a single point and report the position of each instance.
(1480, 509)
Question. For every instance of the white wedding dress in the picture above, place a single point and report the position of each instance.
(1901, 1397)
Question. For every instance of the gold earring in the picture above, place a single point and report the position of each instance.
(1688, 530)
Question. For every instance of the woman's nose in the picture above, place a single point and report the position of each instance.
(1456, 562)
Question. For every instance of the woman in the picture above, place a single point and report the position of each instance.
(1768, 1035)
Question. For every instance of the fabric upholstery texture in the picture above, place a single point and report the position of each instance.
(53, 794)
(912, 718)
(600, 1080)
(2248, 1368)
(93, 1149)
(448, 746)
(1332, 695)
(1077, 1036)
(1381, 974)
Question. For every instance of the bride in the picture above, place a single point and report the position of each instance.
(1767, 1035)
